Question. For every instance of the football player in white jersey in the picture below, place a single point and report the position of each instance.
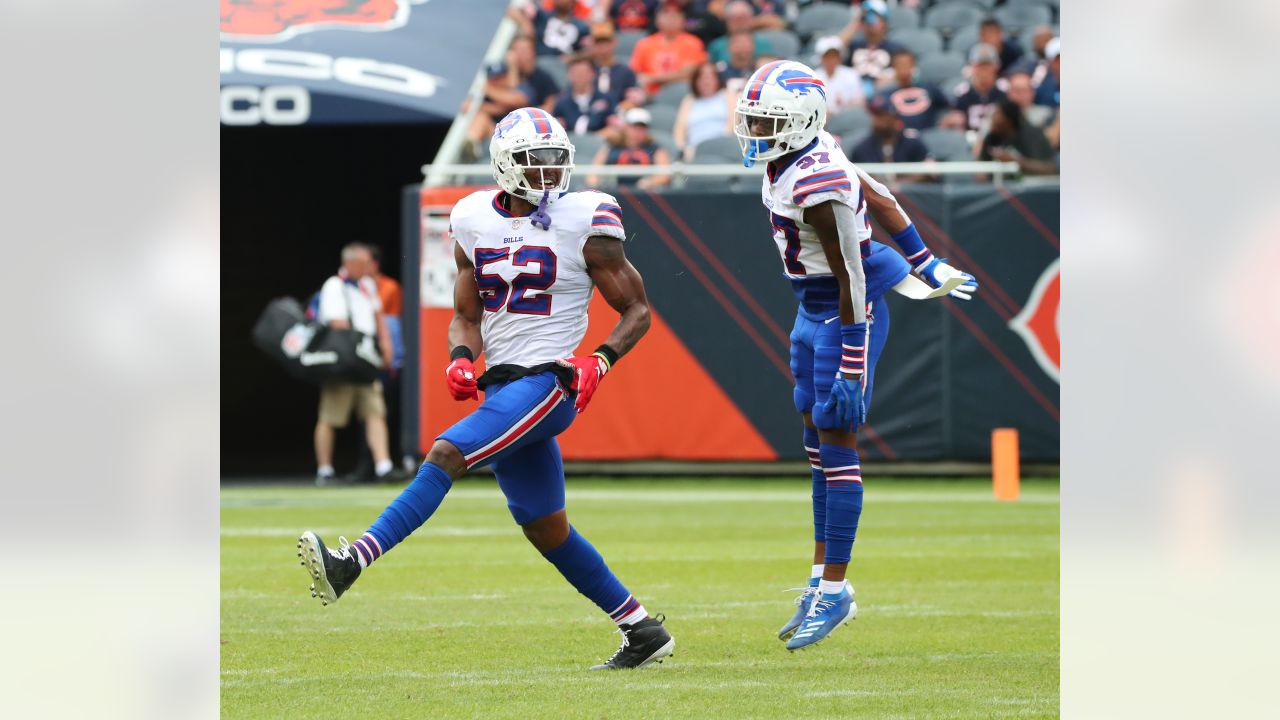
(818, 204)
(529, 257)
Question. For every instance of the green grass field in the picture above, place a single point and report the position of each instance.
(957, 595)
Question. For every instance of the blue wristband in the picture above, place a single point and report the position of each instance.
(912, 244)
(853, 348)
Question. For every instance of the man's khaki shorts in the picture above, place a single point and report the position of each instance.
(339, 399)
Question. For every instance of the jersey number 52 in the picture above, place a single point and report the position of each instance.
(496, 292)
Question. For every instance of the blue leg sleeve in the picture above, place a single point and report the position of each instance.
(844, 500)
(411, 509)
(584, 568)
(819, 484)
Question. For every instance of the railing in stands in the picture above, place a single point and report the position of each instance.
(455, 173)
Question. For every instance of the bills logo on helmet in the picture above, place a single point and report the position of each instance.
(277, 20)
(801, 82)
(1037, 323)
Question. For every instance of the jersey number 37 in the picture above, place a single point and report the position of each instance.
(538, 278)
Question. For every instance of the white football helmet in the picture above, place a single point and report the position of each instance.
(530, 139)
(781, 109)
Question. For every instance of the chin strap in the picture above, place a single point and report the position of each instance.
(753, 147)
(540, 216)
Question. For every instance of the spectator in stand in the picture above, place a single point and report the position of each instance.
(583, 108)
(918, 106)
(976, 98)
(739, 17)
(584, 10)
(349, 301)
(887, 143)
(633, 145)
(633, 15)
(706, 112)
(537, 84)
(704, 18)
(1024, 96)
(516, 83)
(844, 87)
(872, 53)
(669, 55)
(1012, 139)
(742, 62)
(557, 30)
(1033, 62)
(612, 77)
(1048, 91)
(991, 32)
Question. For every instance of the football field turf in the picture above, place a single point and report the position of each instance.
(957, 596)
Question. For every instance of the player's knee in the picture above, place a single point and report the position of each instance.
(548, 532)
(448, 457)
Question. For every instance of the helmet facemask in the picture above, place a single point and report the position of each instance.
(768, 133)
(535, 171)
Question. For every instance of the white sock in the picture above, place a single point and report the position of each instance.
(817, 572)
(831, 587)
(383, 468)
(325, 471)
(634, 616)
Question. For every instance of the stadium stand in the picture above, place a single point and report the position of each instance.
(724, 149)
(949, 17)
(626, 43)
(963, 39)
(664, 117)
(901, 16)
(946, 144)
(671, 94)
(920, 41)
(1017, 18)
(585, 147)
(937, 67)
(821, 18)
(939, 32)
(784, 42)
(554, 66)
(854, 121)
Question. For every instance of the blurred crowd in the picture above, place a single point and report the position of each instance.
(652, 81)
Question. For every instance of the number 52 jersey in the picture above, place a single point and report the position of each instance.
(533, 281)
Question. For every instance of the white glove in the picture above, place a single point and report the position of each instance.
(937, 271)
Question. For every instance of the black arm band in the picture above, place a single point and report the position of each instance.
(609, 354)
(461, 351)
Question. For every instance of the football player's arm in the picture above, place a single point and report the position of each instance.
(840, 245)
(621, 286)
(836, 225)
(465, 342)
(464, 329)
(884, 207)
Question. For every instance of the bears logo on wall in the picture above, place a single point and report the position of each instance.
(1037, 323)
(277, 20)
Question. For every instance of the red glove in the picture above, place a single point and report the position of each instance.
(461, 377)
(588, 372)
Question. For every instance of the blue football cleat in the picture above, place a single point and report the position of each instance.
(824, 617)
(802, 608)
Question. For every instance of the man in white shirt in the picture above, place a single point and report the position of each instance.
(844, 85)
(349, 300)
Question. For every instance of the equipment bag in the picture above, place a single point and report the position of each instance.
(313, 352)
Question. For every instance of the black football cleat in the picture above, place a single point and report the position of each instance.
(642, 643)
(332, 571)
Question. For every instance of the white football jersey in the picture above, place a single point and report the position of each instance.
(818, 173)
(533, 282)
